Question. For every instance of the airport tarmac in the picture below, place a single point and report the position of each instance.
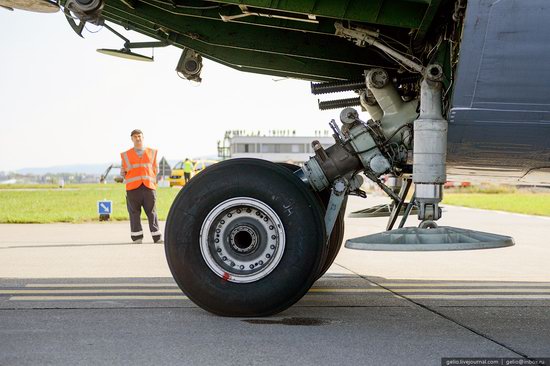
(80, 295)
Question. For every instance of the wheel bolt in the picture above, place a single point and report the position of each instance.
(273, 237)
(222, 222)
(261, 263)
(268, 256)
(219, 250)
(232, 264)
(239, 211)
(251, 266)
(224, 258)
(271, 227)
(241, 267)
(218, 231)
(229, 214)
(272, 246)
(266, 219)
(217, 240)
(248, 210)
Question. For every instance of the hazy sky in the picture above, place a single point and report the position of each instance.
(61, 102)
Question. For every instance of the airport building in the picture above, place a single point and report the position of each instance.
(276, 145)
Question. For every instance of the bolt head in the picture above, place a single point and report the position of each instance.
(378, 78)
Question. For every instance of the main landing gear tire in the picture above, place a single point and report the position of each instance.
(245, 238)
(337, 235)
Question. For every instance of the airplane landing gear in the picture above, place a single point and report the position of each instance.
(248, 237)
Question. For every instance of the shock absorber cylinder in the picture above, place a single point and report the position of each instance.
(430, 146)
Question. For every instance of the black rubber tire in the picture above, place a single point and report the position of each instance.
(302, 219)
(337, 235)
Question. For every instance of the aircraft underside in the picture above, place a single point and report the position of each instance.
(451, 87)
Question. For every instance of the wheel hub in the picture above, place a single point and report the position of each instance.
(242, 240)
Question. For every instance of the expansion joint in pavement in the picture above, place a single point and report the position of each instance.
(433, 311)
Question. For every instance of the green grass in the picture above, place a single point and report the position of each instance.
(525, 203)
(75, 203)
(78, 203)
(36, 186)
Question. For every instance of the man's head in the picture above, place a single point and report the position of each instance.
(137, 139)
(186, 159)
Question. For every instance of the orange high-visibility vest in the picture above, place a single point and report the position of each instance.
(140, 170)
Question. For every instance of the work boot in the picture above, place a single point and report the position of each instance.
(138, 241)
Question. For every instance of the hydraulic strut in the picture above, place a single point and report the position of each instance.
(430, 147)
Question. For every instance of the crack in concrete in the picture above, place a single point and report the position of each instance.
(446, 317)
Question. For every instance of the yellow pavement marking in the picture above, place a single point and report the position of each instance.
(465, 284)
(76, 298)
(431, 290)
(480, 290)
(181, 297)
(95, 291)
(159, 291)
(348, 290)
(480, 297)
(100, 285)
(313, 290)
(387, 284)
(136, 291)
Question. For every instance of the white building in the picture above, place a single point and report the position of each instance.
(279, 147)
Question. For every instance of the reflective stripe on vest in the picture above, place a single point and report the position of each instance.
(126, 160)
(141, 177)
(146, 165)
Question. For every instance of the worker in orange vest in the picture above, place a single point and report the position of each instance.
(139, 169)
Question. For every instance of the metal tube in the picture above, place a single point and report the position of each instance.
(430, 137)
(430, 146)
(369, 103)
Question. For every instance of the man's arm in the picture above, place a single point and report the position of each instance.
(122, 171)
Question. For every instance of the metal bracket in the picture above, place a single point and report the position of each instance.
(311, 18)
(383, 210)
(442, 238)
(362, 37)
(395, 198)
(408, 210)
(398, 204)
(77, 28)
(337, 197)
(341, 188)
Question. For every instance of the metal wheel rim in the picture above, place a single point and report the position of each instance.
(242, 240)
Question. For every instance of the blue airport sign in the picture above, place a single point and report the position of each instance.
(104, 207)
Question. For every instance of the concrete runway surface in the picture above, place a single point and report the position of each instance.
(81, 295)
